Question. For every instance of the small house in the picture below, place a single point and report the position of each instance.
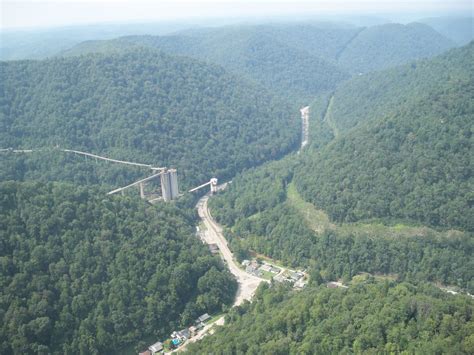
(266, 267)
(295, 276)
(250, 269)
(204, 318)
(246, 263)
(183, 334)
(156, 348)
(254, 263)
(279, 278)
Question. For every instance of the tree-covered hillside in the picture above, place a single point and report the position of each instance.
(413, 165)
(146, 106)
(378, 94)
(81, 273)
(388, 45)
(300, 60)
(382, 183)
(265, 214)
(321, 39)
(273, 56)
(369, 318)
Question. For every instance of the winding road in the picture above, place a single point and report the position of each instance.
(213, 235)
(247, 284)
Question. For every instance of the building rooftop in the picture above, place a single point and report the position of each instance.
(203, 318)
(157, 347)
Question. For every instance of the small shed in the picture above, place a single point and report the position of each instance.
(214, 248)
(193, 330)
(275, 270)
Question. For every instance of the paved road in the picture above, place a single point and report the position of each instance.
(304, 126)
(247, 283)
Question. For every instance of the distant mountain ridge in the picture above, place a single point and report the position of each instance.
(267, 54)
(304, 59)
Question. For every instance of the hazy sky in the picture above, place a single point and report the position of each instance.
(33, 13)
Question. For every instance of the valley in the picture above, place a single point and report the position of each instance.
(345, 224)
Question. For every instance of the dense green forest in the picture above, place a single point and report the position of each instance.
(378, 94)
(388, 45)
(266, 219)
(296, 60)
(81, 273)
(259, 53)
(404, 170)
(368, 317)
(385, 187)
(145, 106)
(53, 165)
(414, 165)
(280, 66)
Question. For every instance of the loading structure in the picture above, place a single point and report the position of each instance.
(169, 185)
(168, 177)
(168, 180)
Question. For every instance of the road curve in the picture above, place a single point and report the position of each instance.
(247, 283)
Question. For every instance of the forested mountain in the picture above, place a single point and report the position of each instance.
(324, 40)
(297, 60)
(458, 29)
(414, 164)
(388, 45)
(267, 216)
(273, 56)
(378, 94)
(385, 187)
(145, 106)
(407, 169)
(281, 66)
(370, 318)
(81, 273)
